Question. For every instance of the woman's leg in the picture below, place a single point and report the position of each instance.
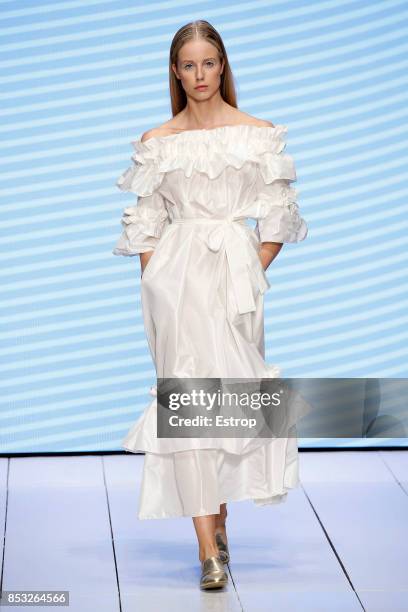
(220, 520)
(205, 530)
(193, 469)
(220, 526)
(206, 527)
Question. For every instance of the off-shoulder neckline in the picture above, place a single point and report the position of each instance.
(214, 130)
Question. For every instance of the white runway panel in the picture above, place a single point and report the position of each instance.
(58, 534)
(281, 561)
(397, 463)
(365, 513)
(157, 560)
(338, 543)
(3, 495)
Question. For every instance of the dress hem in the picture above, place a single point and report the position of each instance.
(259, 501)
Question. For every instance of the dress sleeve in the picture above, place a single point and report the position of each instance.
(280, 219)
(143, 223)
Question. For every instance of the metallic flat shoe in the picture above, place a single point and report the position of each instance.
(213, 574)
(223, 548)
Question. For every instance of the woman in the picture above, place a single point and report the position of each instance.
(198, 177)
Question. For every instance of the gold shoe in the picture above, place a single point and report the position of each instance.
(212, 573)
(222, 548)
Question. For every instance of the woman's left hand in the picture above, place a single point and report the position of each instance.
(268, 252)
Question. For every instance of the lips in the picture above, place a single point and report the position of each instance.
(202, 87)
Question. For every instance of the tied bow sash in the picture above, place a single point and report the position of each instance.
(247, 274)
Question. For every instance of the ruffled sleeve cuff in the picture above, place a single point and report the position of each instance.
(144, 223)
(142, 228)
(279, 219)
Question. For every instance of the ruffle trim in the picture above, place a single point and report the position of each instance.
(144, 220)
(279, 219)
(142, 436)
(142, 228)
(209, 152)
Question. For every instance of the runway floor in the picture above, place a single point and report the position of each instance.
(339, 542)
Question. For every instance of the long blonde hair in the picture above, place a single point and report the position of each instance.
(192, 31)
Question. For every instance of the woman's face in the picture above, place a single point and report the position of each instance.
(198, 64)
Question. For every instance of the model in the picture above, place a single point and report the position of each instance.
(198, 177)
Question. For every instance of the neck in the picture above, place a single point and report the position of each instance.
(208, 114)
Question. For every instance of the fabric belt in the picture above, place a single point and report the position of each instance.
(243, 262)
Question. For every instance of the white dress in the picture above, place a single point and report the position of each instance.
(202, 297)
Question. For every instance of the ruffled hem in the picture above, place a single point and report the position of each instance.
(198, 482)
(142, 436)
(209, 152)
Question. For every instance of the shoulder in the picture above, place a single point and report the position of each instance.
(265, 123)
(259, 122)
(153, 133)
(243, 117)
(167, 129)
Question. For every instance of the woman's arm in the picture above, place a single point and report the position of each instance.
(268, 252)
(144, 222)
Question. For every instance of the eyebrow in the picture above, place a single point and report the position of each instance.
(206, 58)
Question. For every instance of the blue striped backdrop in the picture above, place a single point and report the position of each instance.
(79, 81)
